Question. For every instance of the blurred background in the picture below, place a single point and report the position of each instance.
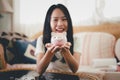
(27, 16)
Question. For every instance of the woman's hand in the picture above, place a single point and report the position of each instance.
(48, 45)
(65, 48)
(67, 45)
(52, 48)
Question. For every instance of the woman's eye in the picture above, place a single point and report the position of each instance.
(55, 20)
(64, 19)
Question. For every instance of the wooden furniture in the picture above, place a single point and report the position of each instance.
(113, 29)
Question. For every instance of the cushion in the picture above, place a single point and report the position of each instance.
(7, 39)
(19, 48)
(117, 49)
(95, 45)
(30, 52)
(106, 62)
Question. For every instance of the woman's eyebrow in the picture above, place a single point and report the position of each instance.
(58, 17)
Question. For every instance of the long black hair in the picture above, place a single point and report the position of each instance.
(47, 28)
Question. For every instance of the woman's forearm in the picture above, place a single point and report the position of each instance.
(71, 61)
(43, 63)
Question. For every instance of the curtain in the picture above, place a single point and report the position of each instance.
(29, 15)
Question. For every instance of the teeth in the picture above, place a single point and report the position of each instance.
(60, 29)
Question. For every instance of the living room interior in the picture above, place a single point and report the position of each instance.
(95, 22)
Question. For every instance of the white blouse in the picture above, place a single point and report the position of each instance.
(56, 65)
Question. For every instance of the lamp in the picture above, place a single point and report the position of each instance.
(5, 7)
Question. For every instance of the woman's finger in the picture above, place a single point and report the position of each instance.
(56, 48)
(67, 45)
(48, 45)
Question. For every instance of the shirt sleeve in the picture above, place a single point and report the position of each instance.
(77, 45)
(39, 46)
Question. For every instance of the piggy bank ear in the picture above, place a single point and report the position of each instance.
(52, 33)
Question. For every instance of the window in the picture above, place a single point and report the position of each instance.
(30, 14)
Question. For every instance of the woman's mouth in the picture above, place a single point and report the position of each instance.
(60, 30)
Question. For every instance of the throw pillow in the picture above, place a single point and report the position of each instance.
(21, 45)
(19, 48)
(7, 39)
(95, 45)
(30, 52)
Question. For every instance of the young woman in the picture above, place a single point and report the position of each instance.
(52, 57)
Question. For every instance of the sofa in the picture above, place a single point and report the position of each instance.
(99, 46)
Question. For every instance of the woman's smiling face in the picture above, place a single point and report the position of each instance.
(58, 21)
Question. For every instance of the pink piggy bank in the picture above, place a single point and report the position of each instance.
(58, 39)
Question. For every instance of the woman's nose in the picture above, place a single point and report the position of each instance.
(60, 22)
